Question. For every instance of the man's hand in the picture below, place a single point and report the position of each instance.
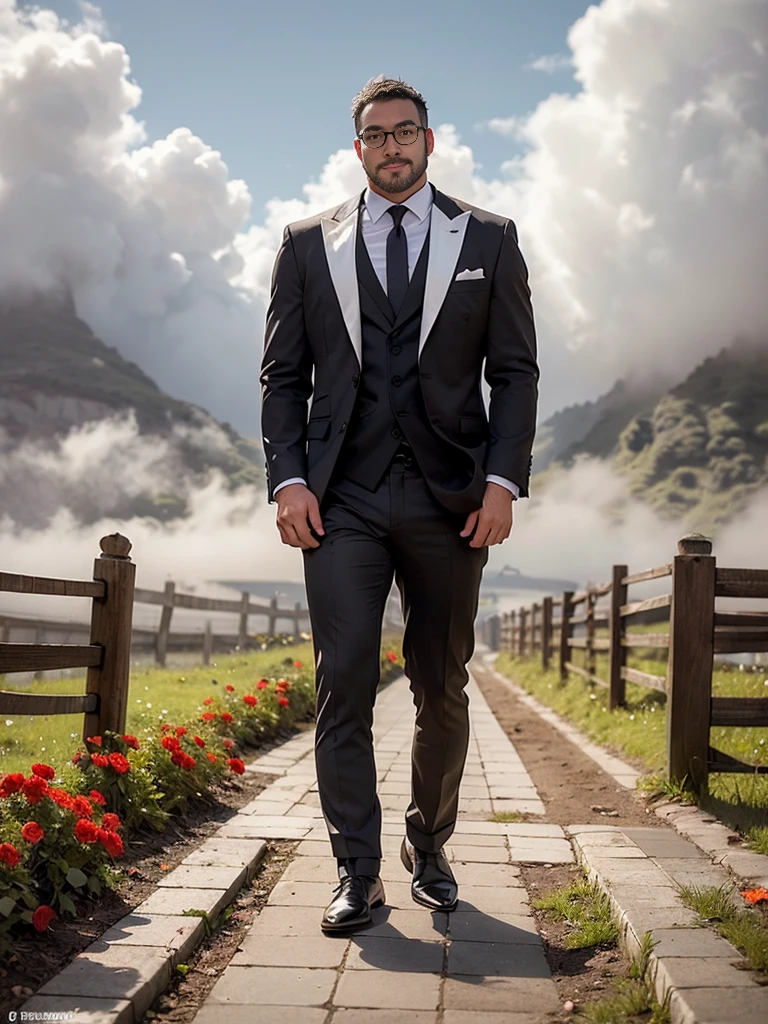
(493, 522)
(297, 508)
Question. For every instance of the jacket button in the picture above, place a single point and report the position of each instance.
(356, 379)
(397, 380)
(397, 434)
(343, 427)
(396, 350)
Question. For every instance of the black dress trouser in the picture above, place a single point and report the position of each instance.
(399, 529)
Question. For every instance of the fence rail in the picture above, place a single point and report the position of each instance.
(697, 632)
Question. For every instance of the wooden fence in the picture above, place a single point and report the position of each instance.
(161, 641)
(107, 653)
(697, 633)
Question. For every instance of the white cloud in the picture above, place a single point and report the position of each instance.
(551, 63)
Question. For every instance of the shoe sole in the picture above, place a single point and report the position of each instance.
(339, 929)
(408, 865)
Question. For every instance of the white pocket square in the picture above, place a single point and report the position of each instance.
(471, 275)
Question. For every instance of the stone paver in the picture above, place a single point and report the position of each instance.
(395, 970)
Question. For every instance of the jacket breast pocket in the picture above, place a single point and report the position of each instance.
(479, 285)
(319, 428)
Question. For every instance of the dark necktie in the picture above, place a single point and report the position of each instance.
(397, 258)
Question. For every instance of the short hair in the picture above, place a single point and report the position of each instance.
(381, 88)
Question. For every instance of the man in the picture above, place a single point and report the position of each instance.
(383, 311)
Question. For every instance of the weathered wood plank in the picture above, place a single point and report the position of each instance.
(633, 675)
(649, 574)
(741, 583)
(585, 674)
(16, 583)
(662, 601)
(739, 711)
(13, 703)
(756, 620)
(45, 657)
(720, 762)
(738, 640)
(646, 640)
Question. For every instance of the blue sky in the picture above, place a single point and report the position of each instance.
(269, 84)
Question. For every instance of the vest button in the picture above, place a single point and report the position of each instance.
(397, 434)
(397, 380)
(343, 426)
(356, 379)
(396, 350)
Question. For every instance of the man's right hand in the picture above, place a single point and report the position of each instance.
(297, 509)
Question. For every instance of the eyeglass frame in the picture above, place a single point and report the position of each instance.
(410, 124)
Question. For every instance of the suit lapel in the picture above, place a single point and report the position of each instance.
(340, 238)
(446, 237)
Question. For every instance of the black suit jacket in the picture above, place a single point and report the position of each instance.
(313, 345)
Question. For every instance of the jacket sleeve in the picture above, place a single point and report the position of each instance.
(511, 369)
(286, 373)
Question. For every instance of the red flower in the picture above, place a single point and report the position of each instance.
(226, 717)
(165, 727)
(391, 656)
(183, 760)
(298, 664)
(95, 740)
(229, 744)
(262, 684)
(44, 771)
(111, 822)
(170, 743)
(207, 716)
(283, 702)
(236, 765)
(82, 807)
(120, 763)
(753, 896)
(211, 758)
(180, 730)
(34, 789)
(100, 760)
(229, 688)
(132, 742)
(62, 798)
(208, 700)
(111, 842)
(32, 832)
(199, 741)
(77, 756)
(97, 797)
(281, 687)
(42, 917)
(86, 831)
(9, 854)
(250, 700)
(11, 784)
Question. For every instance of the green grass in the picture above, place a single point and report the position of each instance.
(586, 909)
(506, 816)
(630, 997)
(639, 731)
(746, 929)
(156, 695)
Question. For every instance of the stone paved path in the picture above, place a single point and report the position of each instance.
(483, 964)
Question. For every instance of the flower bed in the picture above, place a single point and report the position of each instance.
(61, 832)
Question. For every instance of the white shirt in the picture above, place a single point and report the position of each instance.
(376, 225)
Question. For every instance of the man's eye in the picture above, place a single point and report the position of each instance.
(372, 136)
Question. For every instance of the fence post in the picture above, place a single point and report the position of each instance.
(207, 642)
(691, 652)
(164, 629)
(272, 614)
(546, 633)
(242, 626)
(589, 654)
(566, 630)
(618, 626)
(512, 646)
(297, 616)
(111, 619)
(534, 625)
(494, 632)
(522, 615)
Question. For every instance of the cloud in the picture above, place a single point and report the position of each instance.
(551, 63)
(510, 127)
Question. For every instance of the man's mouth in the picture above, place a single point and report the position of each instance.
(393, 167)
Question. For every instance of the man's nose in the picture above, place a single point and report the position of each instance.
(391, 147)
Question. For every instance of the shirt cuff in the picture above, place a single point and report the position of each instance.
(291, 480)
(503, 482)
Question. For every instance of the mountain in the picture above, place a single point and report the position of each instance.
(697, 451)
(58, 384)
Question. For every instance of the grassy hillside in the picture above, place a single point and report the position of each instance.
(56, 375)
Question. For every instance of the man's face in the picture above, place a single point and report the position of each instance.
(394, 168)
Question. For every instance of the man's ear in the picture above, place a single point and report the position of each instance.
(430, 137)
(359, 150)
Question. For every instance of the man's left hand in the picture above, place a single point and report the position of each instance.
(493, 522)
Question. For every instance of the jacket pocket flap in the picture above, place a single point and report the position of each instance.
(319, 428)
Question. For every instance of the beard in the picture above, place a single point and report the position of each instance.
(400, 181)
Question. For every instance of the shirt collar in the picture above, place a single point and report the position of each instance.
(420, 203)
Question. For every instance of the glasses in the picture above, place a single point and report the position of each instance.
(405, 135)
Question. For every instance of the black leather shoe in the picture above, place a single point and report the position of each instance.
(432, 884)
(355, 897)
